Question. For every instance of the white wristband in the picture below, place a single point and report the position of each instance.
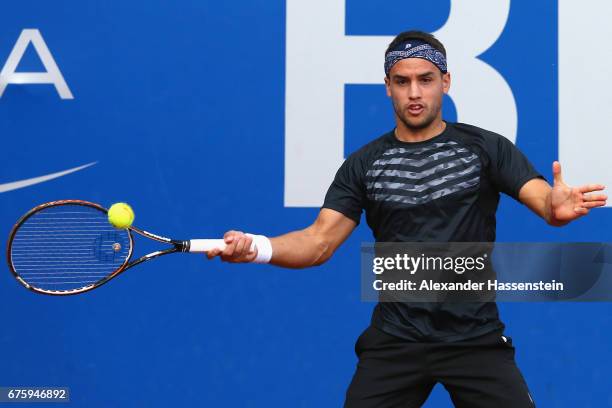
(264, 248)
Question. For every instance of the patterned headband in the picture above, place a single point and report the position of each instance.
(415, 49)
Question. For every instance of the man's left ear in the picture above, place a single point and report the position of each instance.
(387, 86)
(446, 82)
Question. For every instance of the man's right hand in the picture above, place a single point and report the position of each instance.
(237, 250)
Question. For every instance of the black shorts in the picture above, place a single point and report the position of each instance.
(477, 373)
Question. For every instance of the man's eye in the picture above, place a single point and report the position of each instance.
(426, 80)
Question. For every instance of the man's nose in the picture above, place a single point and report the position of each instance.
(414, 91)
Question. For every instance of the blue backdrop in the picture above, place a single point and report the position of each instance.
(182, 106)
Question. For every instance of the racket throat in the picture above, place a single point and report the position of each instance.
(182, 246)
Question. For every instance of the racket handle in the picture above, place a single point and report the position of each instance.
(205, 245)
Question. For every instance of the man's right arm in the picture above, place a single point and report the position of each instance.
(311, 246)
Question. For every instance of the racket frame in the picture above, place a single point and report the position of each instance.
(177, 246)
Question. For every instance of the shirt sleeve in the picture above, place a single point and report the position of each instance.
(510, 168)
(347, 193)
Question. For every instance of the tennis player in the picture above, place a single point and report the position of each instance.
(426, 180)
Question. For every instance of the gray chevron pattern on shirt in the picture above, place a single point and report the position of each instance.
(448, 169)
(419, 175)
(401, 150)
(421, 162)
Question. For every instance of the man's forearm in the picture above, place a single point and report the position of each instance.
(300, 249)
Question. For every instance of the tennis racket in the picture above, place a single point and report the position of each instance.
(69, 247)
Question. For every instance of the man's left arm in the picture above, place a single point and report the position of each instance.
(560, 204)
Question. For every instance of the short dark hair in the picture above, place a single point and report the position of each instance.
(416, 35)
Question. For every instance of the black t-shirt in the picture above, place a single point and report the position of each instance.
(444, 189)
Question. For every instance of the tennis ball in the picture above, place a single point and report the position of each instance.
(120, 215)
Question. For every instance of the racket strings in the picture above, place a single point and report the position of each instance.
(68, 247)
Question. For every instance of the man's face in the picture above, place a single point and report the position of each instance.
(416, 87)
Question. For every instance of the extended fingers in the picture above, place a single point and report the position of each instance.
(581, 210)
(588, 201)
(593, 200)
(588, 188)
(593, 204)
(595, 197)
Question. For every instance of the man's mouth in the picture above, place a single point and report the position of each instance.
(415, 109)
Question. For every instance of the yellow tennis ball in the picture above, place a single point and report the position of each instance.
(120, 215)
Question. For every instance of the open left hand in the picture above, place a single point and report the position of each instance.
(569, 203)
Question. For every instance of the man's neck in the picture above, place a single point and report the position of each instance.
(406, 134)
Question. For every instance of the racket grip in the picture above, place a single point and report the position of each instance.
(205, 245)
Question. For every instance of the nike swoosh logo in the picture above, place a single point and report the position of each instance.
(14, 185)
